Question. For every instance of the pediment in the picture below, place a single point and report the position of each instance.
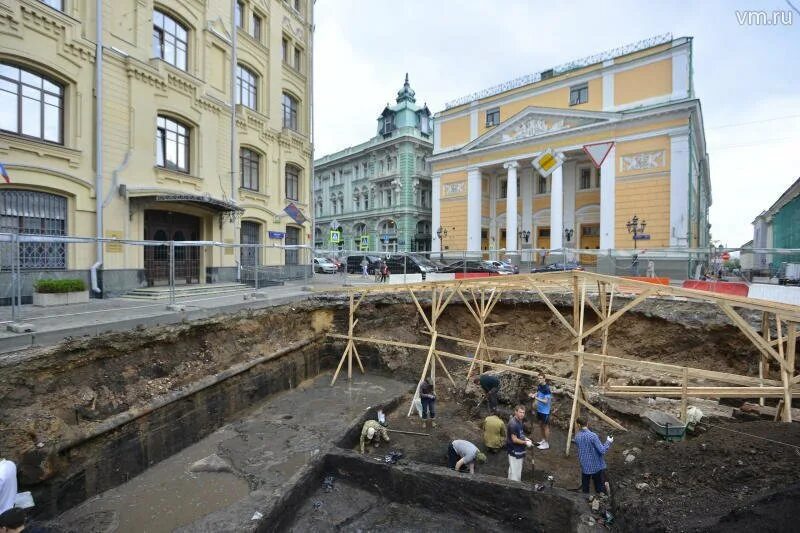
(537, 122)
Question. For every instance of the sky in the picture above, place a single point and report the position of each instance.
(747, 76)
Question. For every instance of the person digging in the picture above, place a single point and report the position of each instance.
(543, 400)
(373, 431)
(461, 453)
(490, 385)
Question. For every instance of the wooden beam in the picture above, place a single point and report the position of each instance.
(419, 308)
(698, 392)
(684, 390)
(751, 334)
(555, 311)
(614, 317)
(600, 414)
(575, 405)
(468, 305)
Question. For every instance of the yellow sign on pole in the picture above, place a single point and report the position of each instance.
(548, 161)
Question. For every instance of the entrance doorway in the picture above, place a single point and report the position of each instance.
(169, 226)
(589, 239)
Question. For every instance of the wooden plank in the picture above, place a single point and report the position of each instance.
(613, 318)
(419, 308)
(604, 417)
(555, 311)
(751, 334)
(684, 389)
(575, 405)
(468, 305)
(786, 375)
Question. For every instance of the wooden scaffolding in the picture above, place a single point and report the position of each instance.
(593, 293)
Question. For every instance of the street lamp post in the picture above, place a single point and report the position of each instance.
(441, 233)
(524, 234)
(636, 228)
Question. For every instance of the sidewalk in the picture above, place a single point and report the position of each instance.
(54, 324)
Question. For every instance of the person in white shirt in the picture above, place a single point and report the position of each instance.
(8, 484)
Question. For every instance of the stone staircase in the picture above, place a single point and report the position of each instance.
(188, 291)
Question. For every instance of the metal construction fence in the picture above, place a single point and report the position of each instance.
(166, 267)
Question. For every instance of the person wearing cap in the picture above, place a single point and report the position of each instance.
(8, 484)
(373, 431)
(462, 453)
(12, 520)
(517, 444)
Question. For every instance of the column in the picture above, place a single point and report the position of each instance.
(474, 198)
(678, 190)
(526, 191)
(570, 181)
(436, 212)
(511, 206)
(608, 173)
(557, 209)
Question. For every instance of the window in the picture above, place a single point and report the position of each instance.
(592, 230)
(366, 200)
(285, 50)
(297, 5)
(541, 185)
(238, 14)
(585, 181)
(170, 40)
(255, 27)
(293, 182)
(579, 94)
(246, 87)
(292, 238)
(597, 179)
(289, 112)
(297, 58)
(251, 234)
(492, 117)
(55, 4)
(30, 104)
(36, 213)
(248, 165)
(172, 144)
(504, 189)
(388, 124)
(544, 232)
(424, 124)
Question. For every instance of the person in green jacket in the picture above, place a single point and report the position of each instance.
(494, 433)
(373, 431)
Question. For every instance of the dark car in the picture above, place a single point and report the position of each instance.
(354, 263)
(557, 267)
(470, 266)
(410, 264)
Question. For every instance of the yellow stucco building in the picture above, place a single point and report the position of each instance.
(162, 138)
(640, 97)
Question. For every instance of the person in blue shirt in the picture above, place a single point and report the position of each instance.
(543, 399)
(590, 456)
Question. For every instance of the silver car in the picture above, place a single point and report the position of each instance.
(324, 265)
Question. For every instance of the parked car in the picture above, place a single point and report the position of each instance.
(410, 264)
(557, 267)
(503, 267)
(354, 263)
(469, 266)
(324, 265)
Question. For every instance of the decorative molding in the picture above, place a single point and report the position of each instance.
(643, 161)
(135, 70)
(9, 142)
(454, 188)
(535, 125)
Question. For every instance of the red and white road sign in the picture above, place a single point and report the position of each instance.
(598, 152)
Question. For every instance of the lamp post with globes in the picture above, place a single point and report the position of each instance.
(441, 233)
(636, 228)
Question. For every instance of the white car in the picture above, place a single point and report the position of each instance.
(324, 265)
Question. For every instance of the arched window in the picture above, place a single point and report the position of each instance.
(249, 163)
(251, 234)
(246, 87)
(292, 182)
(172, 144)
(289, 112)
(31, 104)
(170, 39)
(36, 213)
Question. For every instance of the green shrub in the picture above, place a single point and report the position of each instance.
(51, 286)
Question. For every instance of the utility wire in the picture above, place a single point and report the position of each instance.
(734, 124)
(750, 435)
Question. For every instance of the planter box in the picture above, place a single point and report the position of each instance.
(63, 298)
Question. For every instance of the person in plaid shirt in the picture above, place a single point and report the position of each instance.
(590, 456)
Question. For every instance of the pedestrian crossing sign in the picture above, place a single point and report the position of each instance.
(336, 236)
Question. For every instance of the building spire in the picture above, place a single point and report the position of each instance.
(406, 94)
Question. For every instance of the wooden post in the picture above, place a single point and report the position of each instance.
(683, 393)
(434, 316)
(575, 399)
(350, 349)
(575, 303)
(763, 364)
(791, 343)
